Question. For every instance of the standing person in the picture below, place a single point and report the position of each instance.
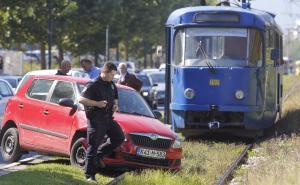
(88, 67)
(128, 79)
(65, 68)
(100, 98)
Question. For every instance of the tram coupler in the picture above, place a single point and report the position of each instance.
(214, 125)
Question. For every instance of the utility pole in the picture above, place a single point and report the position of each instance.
(50, 32)
(107, 43)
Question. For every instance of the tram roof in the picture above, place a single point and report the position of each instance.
(248, 17)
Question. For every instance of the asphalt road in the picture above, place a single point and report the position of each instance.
(2, 163)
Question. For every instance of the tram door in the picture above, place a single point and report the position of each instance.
(271, 73)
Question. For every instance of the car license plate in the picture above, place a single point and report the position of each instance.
(151, 153)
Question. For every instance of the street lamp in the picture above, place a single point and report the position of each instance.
(107, 43)
(50, 31)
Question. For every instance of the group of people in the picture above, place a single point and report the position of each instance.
(100, 99)
(126, 78)
(86, 65)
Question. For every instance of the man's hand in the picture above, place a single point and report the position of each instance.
(115, 108)
(101, 104)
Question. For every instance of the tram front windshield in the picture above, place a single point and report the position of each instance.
(223, 47)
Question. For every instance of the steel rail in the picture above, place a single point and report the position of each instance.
(225, 177)
(290, 91)
(116, 180)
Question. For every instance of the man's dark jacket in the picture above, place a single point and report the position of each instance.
(130, 80)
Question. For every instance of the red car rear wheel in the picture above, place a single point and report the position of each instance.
(10, 148)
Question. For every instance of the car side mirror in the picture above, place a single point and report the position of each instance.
(157, 114)
(67, 102)
(155, 85)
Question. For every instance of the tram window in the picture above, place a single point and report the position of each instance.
(255, 49)
(223, 47)
(178, 50)
(278, 46)
(235, 48)
(270, 37)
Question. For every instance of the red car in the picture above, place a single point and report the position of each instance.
(45, 116)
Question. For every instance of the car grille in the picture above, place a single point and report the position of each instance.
(151, 161)
(161, 94)
(146, 141)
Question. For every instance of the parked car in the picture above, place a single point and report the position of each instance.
(78, 73)
(148, 90)
(6, 92)
(73, 72)
(159, 79)
(12, 80)
(162, 67)
(45, 116)
(149, 70)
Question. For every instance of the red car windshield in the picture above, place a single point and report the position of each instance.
(130, 102)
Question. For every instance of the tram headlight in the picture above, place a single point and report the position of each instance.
(189, 93)
(239, 94)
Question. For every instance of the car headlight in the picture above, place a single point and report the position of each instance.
(189, 93)
(239, 94)
(177, 143)
(145, 93)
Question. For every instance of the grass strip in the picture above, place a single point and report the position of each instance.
(50, 173)
(202, 163)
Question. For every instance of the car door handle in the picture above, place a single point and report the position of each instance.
(46, 112)
(20, 106)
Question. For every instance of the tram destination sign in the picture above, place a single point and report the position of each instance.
(216, 17)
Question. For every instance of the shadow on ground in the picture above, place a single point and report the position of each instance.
(107, 171)
(287, 126)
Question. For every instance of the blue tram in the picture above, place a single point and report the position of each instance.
(224, 70)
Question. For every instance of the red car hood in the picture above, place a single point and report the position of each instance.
(141, 124)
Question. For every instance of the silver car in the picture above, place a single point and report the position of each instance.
(6, 92)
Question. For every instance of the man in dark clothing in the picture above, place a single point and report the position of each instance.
(128, 79)
(100, 98)
(65, 68)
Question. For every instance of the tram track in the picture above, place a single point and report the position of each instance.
(231, 168)
(291, 90)
(117, 179)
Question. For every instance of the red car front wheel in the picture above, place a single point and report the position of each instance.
(78, 153)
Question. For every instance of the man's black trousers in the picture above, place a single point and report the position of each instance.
(95, 134)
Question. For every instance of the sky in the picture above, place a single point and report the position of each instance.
(287, 11)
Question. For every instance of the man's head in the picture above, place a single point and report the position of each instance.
(122, 68)
(86, 64)
(108, 71)
(65, 66)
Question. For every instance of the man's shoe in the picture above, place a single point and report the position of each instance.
(91, 179)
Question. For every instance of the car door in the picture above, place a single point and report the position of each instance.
(59, 119)
(31, 108)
